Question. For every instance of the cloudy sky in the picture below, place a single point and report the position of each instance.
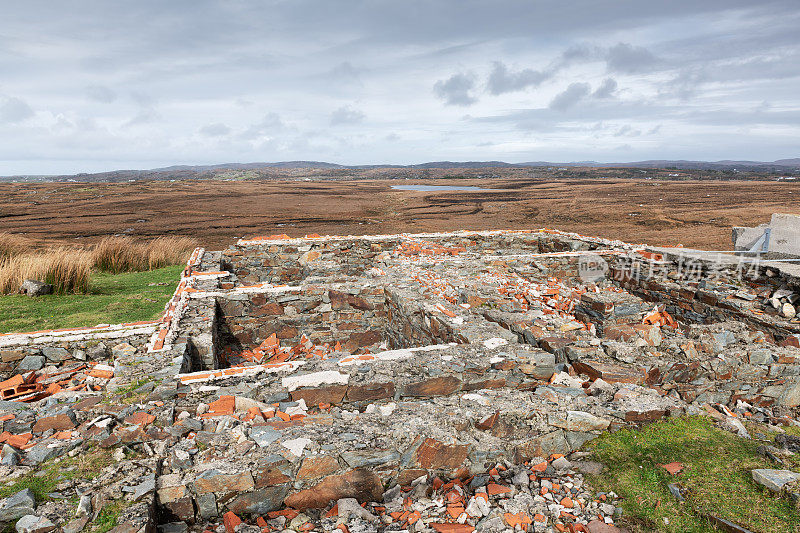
(101, 85)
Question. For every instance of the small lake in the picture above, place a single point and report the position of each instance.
(468, 188)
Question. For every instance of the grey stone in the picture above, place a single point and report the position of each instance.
(543, 445)
(761, 356)
(264, 435)
(34, 524)
(31, 362)
(723, 339)
(122, 350)
(561, 464)
(538, 365)
(173, 527)
(676, 491)
(207, 506)
(55, 353)
(18, 505)
(588, 467)
(356, 459)
(84, 506)
(41, 452)
(98, 351)
(32, 287)
(349, 507)
(144, 488)
(260, 501)
(774, 480)
(76, 526)
(582, 421)
(10, 456)
(576, 439)
(790, 397)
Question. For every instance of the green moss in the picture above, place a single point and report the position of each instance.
(112, 299)
(716, 478)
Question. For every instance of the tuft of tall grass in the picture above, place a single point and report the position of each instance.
(123, 254)
(67, 270)
(11, 244)
(166, 251)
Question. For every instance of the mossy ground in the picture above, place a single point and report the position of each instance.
(112, 299)
(716, 478)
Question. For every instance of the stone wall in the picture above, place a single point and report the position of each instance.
(701, 291)
(355, 317)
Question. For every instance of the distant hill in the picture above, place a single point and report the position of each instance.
(266, 169)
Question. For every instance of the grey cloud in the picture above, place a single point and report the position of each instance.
(629, 59)
(217, 129)
(345, 71)
(270, 124)
(685, 85)
(145, 116)
(627, 131)
(100, 93)
(14, 110)
(142, 98)
(579, 53)
(501, 80)
(570, 96)
(456, 90)
(606, 89)
(346, 115)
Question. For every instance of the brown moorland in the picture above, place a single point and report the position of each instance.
(695, 213)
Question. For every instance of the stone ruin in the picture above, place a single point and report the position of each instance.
(431, 382)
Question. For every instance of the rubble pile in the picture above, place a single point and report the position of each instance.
(439, 382)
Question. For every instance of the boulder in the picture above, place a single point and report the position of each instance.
(361, 484)
(34, 524)
(18, 505)
(31, 362)
(32, 287)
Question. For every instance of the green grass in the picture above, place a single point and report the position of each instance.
(108, 517)
(44, 479)
(716, 477)
(112, 299)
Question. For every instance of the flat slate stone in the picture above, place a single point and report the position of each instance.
(264, 435)
(774, 480)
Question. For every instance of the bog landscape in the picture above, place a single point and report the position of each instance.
(400, 267)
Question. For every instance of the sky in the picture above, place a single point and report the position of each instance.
(88, 86)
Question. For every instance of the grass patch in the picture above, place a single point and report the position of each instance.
(43, 481)
(108, 517)
(716, 477)
(112, 299)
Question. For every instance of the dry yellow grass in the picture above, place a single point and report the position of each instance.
(11, 244)
(123, 254)
(68, 270)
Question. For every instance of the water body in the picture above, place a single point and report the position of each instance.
(469, 188)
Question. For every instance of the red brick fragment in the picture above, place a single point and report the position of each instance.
(231, 521)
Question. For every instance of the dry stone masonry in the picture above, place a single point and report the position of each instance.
(432, 382)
